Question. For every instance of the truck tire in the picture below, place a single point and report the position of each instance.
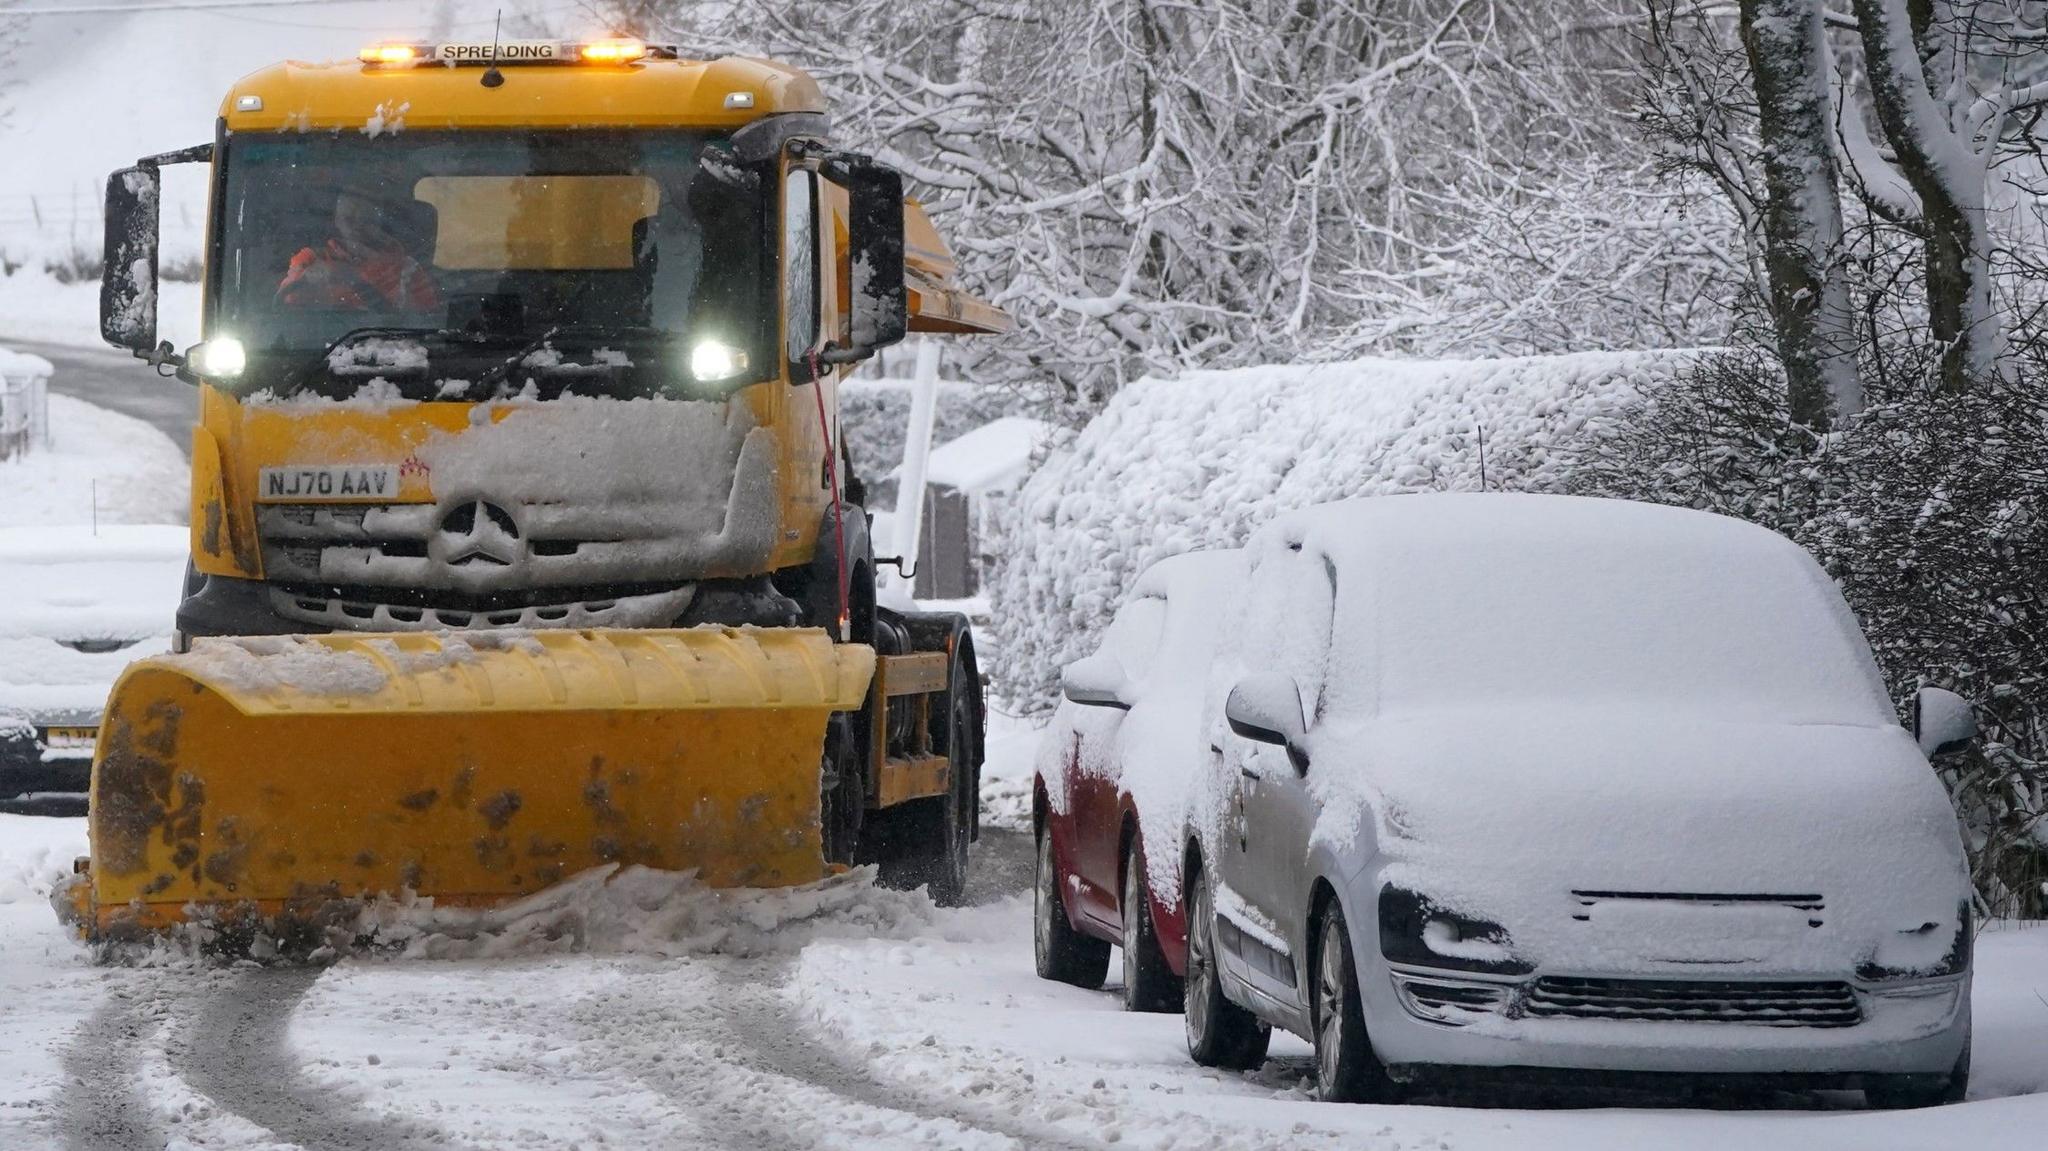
(1061, 953)
(842, 792)
(927, 839)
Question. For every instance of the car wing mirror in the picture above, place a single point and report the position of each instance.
(1265, 707)
(1942, 721)
(1098, 681)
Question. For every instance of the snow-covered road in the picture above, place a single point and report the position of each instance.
(850, 1018)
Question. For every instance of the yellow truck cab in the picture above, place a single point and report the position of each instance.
(536, 334)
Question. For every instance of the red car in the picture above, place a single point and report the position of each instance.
(1114, 770)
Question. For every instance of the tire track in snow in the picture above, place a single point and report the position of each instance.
(756, 1015)
(236, 1050)
(102, 1107)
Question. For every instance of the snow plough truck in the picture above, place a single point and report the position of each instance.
(524, 537)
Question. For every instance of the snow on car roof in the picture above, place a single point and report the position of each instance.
(1471, 600)
(71, 583)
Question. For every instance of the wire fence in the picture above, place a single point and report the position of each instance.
(24, 404)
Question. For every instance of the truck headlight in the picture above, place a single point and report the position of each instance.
(712, 360)
(1416, 930)
(221, 358)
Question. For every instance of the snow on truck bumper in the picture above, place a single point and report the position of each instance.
(1808, 1025)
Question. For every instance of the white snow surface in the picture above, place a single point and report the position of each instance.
(132, 472)
(71, 581)
(930, 1025)
(1202, 459)
(267, 663)
(66, 583)
(34, 305)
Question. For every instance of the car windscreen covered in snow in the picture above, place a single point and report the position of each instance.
(1485, 601)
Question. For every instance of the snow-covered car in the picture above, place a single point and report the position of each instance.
(79, 605)
(1113, 776)
(1553, 785)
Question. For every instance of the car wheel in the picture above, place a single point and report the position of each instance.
(1149, 984)
(1911, 1092)
(1064, 955)
(1346, 1068)
(1220, 1033)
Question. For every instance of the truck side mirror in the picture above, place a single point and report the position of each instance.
(128, 283)
(881, 303)
(1942, 721)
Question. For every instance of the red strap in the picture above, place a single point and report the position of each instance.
(832, 476)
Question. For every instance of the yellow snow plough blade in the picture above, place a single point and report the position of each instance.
(278, 782)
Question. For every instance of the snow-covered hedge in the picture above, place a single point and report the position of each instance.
(1202, 459)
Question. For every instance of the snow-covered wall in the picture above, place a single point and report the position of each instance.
(1202, 459)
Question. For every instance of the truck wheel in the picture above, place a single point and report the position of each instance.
(1063, 954)
(1220, 1033)
(931, 835)
(1149, 984)
(842, 798)
(1347, 1071)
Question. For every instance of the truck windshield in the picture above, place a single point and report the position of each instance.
(431, 263)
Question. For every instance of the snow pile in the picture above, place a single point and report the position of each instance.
(266, 663)
(99, 465)
(640, 910)
(35, 855)
(1200, 460)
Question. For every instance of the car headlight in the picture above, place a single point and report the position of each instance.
(1416, 930)
(1889, 961)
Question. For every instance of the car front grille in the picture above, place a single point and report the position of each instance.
(1816, 1004)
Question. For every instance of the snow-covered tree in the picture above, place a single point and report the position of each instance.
(1802, 210)
(1957, 85)
(1150, 186)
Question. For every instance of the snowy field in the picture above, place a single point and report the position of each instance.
(843, 1017)
(99, 464)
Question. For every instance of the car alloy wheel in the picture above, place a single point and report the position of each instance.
(1220, 1033)
(1149, 984)
(1061, 953)
(1347, 1070)
(1330, 980)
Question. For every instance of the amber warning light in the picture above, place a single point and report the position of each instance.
(608, 51)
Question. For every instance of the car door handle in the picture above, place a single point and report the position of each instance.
(1248, 773)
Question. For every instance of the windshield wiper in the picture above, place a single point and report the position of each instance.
(575, 331)
(356, 335)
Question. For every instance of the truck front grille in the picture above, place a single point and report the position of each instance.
(1815, 1004)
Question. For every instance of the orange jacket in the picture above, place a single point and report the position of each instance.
(394, 280)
